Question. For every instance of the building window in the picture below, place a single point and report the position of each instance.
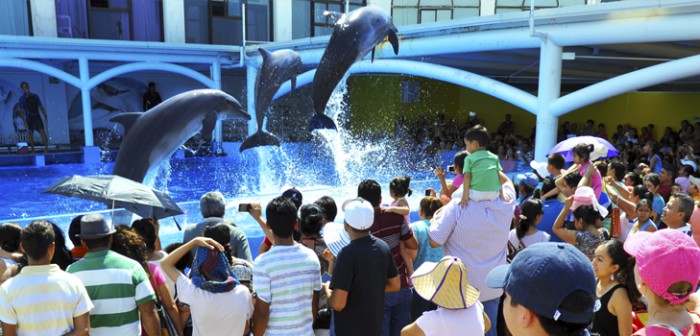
(15, 18)
(407, 12)
(310, 19)
(504, 6)
(139, 20)
(221, 21)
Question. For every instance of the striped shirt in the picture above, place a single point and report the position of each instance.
(477, 234)
(392, 229)
(43, 300)
(116, 285)
(286, 277)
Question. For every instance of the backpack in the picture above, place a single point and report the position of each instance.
(513, 251)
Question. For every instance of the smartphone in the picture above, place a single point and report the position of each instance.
(325, 277)
(244, 207)
(427, 192)
(451, 168)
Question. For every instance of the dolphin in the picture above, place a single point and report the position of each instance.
(153, 136)
(355, 34)
(277, 67)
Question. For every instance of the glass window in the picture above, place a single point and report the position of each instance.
(407, 12)
(139, 20)
(15, 18)
(221, 21)
(503, 6)
(309, 19)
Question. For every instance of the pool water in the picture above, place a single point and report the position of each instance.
(254, 176)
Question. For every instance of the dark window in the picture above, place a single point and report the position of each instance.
(111, 19)
(221, 21)
(325, 13)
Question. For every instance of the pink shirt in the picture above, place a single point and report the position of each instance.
(457, 182)
(596, 179)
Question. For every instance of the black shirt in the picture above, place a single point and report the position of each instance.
(362, 269)
(150, 100)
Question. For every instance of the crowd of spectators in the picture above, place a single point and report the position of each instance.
(531, 256)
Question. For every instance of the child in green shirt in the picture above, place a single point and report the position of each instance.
(483, 174)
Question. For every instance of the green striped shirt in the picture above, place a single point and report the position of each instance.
(116, 285)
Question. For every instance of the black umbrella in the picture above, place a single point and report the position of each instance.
(118, 192)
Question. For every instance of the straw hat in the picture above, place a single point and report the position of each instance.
(445, 284)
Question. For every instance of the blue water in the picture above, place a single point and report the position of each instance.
(254, 176)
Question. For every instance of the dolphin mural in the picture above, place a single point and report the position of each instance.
(277, 67)
(355, 34)
(153, 136)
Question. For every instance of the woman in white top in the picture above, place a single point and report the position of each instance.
(526, 232)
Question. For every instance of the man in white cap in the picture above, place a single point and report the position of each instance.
(363, 272)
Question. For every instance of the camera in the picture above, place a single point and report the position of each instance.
(427, 192)
(451, 168)
(244, 207)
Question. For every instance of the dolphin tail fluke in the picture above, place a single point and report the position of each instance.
(260, 138)
(321, 121)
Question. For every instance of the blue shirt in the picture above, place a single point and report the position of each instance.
(551, 209)
(425, 252)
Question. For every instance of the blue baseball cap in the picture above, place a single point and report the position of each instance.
(529, 179)
(543, 275)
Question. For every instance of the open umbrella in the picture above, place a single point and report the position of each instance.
(601, 147)
(118, 192)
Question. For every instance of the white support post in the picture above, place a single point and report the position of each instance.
(87, 105)
(549, 91)
(216, 77)
(43, 18)
(174, 21)
(250, 78)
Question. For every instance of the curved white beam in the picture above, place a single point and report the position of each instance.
(41, 67)
(467, 79)
(649, 76)
(141, 66)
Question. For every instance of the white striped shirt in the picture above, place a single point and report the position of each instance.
(477, 234)
(43, 300)
(286, 277)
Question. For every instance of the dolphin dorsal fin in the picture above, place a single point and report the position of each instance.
(265, 54)
(127, 120)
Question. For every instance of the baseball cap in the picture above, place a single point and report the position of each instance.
(664, 258)
(543, 276)
(335, 237)
(529, 179)
(295, 195)
(359, 213)
(694, 180)
(586, 196)
(690, 163)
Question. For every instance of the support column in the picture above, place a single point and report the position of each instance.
(250, 78)
(174, 21)
(215, 71)
(282, 10)
(549, 90)
(87, 105)
(43, 18)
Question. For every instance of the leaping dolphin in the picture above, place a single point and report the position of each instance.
(153, 136)
(277, 67)
(355, 34)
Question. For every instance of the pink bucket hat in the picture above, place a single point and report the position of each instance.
(586, 196)
(664, 258)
